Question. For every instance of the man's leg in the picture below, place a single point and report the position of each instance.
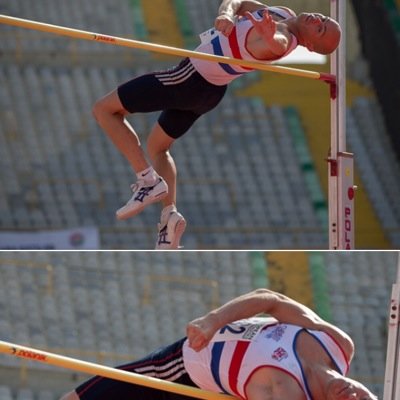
(158, 146)
(110, 115)
(70, 396)
(172, 223)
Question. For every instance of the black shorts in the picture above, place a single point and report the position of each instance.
(165, 363)
(181, 93)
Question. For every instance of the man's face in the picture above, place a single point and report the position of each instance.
(347, 389)
(319, 33)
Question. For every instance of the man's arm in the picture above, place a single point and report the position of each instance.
(284, 309)
(230, 9)
(239, 7)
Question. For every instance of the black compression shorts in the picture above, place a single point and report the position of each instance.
(181, 93)
(165, 363)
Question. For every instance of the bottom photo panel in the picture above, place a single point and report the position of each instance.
(209, 325)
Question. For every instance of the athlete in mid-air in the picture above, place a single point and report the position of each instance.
(247, 30)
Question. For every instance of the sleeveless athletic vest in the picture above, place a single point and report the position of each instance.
(234, 46)
(240, 348)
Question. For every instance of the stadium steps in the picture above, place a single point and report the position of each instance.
(5, 393)
(259, 269)
(307, 165)
(186, 28)
(139, 25)
(162, 24)
(289, 274)
(319, 285)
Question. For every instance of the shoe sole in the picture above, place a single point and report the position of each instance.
(132, 213)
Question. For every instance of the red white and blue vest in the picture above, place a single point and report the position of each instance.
(240, 348)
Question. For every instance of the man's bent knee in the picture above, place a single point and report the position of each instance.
(109, 104)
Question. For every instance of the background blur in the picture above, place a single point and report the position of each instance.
(252, 173)
(113, 307)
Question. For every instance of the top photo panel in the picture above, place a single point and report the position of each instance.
(199, 125)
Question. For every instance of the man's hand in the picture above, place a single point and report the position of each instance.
(224, 23)
(265, 27)
(200, 331)
(275, 42)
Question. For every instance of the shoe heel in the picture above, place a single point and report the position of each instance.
(179, 230)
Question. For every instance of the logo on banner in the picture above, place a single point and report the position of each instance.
(77, 239)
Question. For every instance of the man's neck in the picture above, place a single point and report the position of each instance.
(292, 27)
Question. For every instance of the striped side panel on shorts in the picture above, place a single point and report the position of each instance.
(169, 371)
(178, 76)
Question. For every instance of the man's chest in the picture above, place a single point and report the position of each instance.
(261, 48)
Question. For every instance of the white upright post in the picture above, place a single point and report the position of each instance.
(340, 178)
(391, 390)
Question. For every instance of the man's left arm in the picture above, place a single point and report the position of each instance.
(274, 41)
(230, 9)
(279, 306)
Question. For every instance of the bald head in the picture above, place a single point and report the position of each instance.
(317, 32)
(330, 41)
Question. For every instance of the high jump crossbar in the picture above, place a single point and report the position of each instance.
(119, 41)
(107, 372)
(392, 379)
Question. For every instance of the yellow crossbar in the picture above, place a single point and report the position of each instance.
(118, 41)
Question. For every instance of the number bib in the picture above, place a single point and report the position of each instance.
(242, 330)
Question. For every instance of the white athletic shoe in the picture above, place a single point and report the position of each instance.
(170, 233)
(143, 196)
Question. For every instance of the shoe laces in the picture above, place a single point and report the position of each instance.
(135, 186)
(141, 183)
